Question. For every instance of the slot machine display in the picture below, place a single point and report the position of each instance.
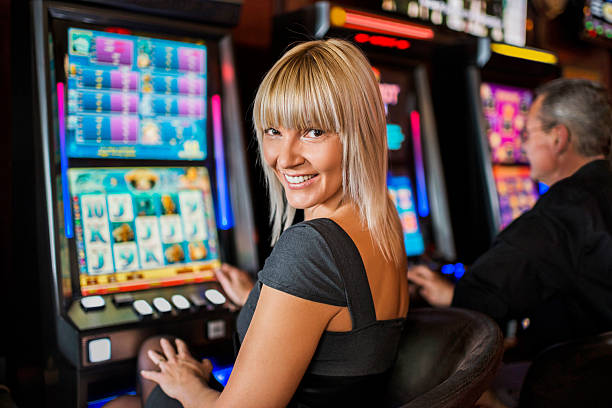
(144, 181)
(505, 110)
(488, 93)
(399, 52)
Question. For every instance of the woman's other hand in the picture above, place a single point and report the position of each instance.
(434, 288)
(180, 375)
(236, 283)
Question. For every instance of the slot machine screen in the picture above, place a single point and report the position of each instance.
(134, 97)
(406, 178)
(517, 192)
(138, 228)
(505, 109)
(401, 192)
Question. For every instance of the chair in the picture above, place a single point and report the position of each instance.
(447, 358)
(576, 373)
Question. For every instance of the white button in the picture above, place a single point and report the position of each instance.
(99, 350)
(92, 302)
(180, 302)
(197, 300)
(142, 307)
(162, 304)
(216, 329)
(214, 296)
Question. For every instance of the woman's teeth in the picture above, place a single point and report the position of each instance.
(298, 179)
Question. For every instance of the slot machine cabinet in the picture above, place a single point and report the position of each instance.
(401, 53)
(488, 90)
(143, 183)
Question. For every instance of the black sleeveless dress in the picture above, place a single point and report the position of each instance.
(318, 261)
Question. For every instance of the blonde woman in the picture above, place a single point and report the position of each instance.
(321, 325)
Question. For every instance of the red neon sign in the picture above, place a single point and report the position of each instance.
(382, 41)
(359, 20)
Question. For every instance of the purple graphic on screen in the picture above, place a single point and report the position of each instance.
(124, 129)
(124, 102)
(191, 60)
(114, 51)
(124, 80)
(191, 86)
(191, 107)
(505, 109)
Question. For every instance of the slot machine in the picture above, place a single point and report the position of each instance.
(144, 186)
(400, 52)
(486, 107)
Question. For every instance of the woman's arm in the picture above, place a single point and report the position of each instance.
(277, 349)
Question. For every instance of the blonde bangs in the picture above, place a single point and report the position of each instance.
(298, 95)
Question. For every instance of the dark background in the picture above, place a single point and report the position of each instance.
(21, 337)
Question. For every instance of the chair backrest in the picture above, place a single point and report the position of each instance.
(576, 373)
(447, 358)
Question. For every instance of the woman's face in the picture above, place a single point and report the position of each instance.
(308, 164)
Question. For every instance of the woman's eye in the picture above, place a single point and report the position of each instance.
(315, 133)
(271, 132)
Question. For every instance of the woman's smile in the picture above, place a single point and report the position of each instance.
(301, 181)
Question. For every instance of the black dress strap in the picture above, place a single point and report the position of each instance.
(358, 295)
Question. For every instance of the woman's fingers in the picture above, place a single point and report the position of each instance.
(154, 376)
(168, 349)
(156, 358)
(181, 347)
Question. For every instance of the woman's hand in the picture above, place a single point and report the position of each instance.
(236, 283)
(434, 288)
(181, 376)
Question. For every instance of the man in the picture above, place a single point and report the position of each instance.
(552, 267)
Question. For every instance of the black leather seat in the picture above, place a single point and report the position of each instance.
(447, 358)
(576, 373)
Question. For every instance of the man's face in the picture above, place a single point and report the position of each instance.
(539, 145)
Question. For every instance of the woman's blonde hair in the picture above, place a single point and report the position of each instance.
(329, 85)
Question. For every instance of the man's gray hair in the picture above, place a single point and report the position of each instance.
(584, 107)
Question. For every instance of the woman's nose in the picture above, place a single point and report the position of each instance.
(290, 154)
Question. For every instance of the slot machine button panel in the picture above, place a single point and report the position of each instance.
(199, 301)
(180, 302)
(99, 350)
(215, 329)
(123, 299)
(162, 305)
(143, 308)
(91, 303)
(215, 297)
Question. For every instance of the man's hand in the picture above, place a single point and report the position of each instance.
(434, 288)
(236, 283)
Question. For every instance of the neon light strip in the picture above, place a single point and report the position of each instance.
(61, 110)
(421, 186)
(525, 53)
(369, 22)
(225, 218)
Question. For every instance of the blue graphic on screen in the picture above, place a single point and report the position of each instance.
(135, 97)
(400, 188)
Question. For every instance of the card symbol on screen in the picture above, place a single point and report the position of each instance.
(171, 232)
(127, 258)
(150, 257)
(96, 236)
(147, 234)
(100, 262)
(192, 206)
(120, 211)
(194, 231)
(95, 210)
